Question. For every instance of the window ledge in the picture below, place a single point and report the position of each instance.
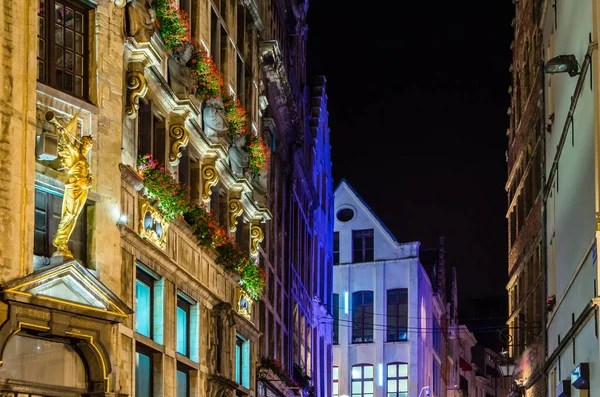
(187, 361)
(69, 99)
(139, 338)
(397, 341)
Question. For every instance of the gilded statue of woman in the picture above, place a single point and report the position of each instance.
(73, 157)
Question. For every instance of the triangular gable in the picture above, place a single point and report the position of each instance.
(364, 208)
(71, 285)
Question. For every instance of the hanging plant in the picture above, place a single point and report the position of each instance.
(258, 157)
(171, 196)
(236, 115)
(174, 24)
(209, 81)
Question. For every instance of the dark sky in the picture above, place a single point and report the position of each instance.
(418, 94)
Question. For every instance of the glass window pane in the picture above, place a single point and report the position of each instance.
(335, 389)
(59, 13)
(336, 372)
(59, 57)
(143, 375)
(392, 370)
(182, 384)
(368, 387)
(68, 82)
(356, 387)
(403, 385)
(142, 305)
(41, 26)
(41, 49)
(42, 7)
(41, 72)
(238, 362)
(58, 73)
(79, 22)
(356, 372)
(68, 60)
(69, 39)
(403, 370)
(58, 35)
(368, 372)
(181, 331)
(69, 17)
(78, 86)
(79, 43)
(392, 386)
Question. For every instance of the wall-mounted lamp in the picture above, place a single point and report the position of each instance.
(122, 219)
(380, 375)
(346, 302)
(562, 64)
(428, 393)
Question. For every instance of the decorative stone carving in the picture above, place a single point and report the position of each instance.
(136, 88)
(256, 237)
(119, 3)
(238, 157)
(235, 209)
(210, 178)
(224, 327)
(140, 19)
(180, 77)
(180, 138)
(244, 303)
(153, 227)
(213, 114)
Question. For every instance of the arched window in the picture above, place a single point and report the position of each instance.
(362, 380)
(397, 380)
(362, 317)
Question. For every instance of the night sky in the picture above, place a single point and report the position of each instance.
(418, 95)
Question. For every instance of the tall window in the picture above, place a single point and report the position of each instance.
(397, 380)
(242, 361)
(336, 248)
(143, 372)
(437, 336)
(48, 209)
(362, 381)
(183, 381)
(436, 377)
(336, 319)
(63, 46)
(336, 381)
(151, 133)
(183, 326)
(362, 245)
(362, 317)
(144, 303)
(397, 314)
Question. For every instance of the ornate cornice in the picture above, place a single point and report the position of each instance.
(274, 69)
(255, 14)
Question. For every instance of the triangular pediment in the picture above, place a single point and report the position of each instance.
(72, 287)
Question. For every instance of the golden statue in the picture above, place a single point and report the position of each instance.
(73, 157)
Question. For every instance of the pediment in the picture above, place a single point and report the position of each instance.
(68, 286)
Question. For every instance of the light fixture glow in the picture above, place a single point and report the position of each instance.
(380, 367)
(346, 302)
(123, 219)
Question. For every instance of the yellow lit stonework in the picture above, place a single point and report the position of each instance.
(244, 303)
(156, 232)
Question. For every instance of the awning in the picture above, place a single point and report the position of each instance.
(464, 365)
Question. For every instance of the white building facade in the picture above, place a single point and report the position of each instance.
(385, 333)
(572, 201)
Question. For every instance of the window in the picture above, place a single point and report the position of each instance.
(397, 314)
(336, 319)
(183, 381)
(151, 133)
(362, 245)
(144, 303)
(362, 317)
(437, 336)
(242, 361)
(336, 248)
(362, 381)
(48, 210)
(183, 326)
(336, 381)
(397, 380)
(345, 215)
(143, 372)
(436, 377)
(63, 46)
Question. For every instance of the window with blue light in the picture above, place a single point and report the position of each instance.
(183, 382)
(183, 326)
(144, 303)
(242, 361)
(143, 374)
(397, 314)
(362, 317)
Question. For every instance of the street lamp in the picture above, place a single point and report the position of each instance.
(428, 391)
(562, 64)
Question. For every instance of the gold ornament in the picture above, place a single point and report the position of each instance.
(256, 236)
(235, 210)
(210, 178)
(73, 157)
(180, 139)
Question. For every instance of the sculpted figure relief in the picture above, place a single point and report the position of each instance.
(215, 122)
(140, 18)
(238, 157)
(73, 157)
(179, 74)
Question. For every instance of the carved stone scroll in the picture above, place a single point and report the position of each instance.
(235, 210)
(210, 177)
(136, 88)
(179, 138)
(256, 237)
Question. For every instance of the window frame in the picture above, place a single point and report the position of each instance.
(50, 43)
(242, 342)
(397, 327)
(362, 380)
(186, 306)
(356, 309)
(397, 379)
(336, 248)
(362, 254)
(150, 282)
(146, 351)
(185, 370)
(336, 319)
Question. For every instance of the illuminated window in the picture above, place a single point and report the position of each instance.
(362, 380)
(362, 245)
(397, 314)
(336, 248)
(397, 380)
(242, 361)
(144, 303)
(362, 317)
(336, 318)
(336, 381)
(151, 133)
(183, 381)
(62, 59)
(143, 372)
(183, 326)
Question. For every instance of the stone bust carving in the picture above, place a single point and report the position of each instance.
(215, 122)
(238, 157)
(179, 74)
(140, 19)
